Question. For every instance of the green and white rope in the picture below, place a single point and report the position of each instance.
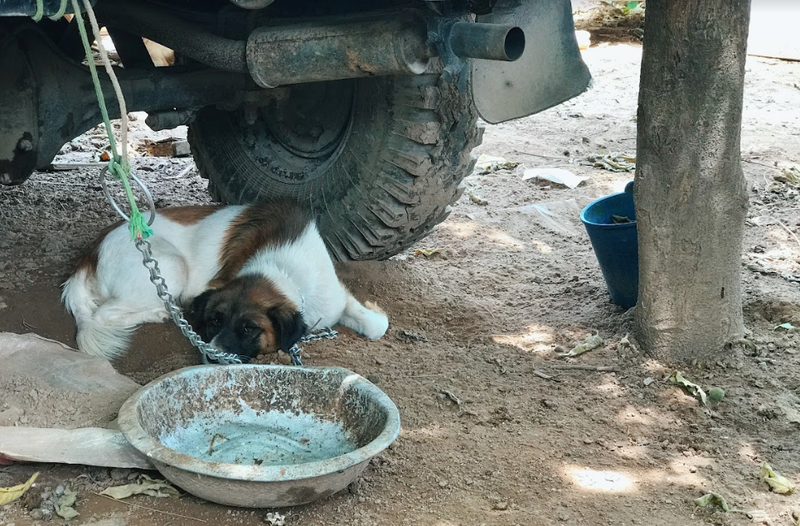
(118, 165)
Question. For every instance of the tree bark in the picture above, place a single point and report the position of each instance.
(690, 192)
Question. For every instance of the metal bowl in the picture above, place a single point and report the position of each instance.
(260, 436)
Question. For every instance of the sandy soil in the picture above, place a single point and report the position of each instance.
(485, 440)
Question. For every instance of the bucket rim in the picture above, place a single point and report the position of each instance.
(585, 221)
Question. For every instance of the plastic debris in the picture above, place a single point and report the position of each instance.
(784, 326)
(275, 519)
(554, 175)
(777, 482)
(10, 494)
(145, 486)
(592, 342)
(712, 499)
(693, 389)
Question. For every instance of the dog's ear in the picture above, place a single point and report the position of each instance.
(289, 326)
(200, 303)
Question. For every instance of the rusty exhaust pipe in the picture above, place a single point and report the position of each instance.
(299, 53)
(487, 41)
(277, 56)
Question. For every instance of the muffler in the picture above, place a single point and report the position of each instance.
(281, 55)
(405, 45)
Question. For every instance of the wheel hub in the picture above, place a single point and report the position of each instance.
(312, 120)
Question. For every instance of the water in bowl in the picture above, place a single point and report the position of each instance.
(268, 438)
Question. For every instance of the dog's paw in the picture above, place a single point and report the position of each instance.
(376, 323)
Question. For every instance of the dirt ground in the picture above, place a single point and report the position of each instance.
(485, 440)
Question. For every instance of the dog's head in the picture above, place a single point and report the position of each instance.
(248, 316)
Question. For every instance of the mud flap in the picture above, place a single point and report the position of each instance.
(549, 72)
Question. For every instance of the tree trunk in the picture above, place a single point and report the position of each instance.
(691, 196)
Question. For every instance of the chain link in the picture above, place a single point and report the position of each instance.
(208, 352)
(322, 334)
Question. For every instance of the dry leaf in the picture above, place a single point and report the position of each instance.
(590, 343)
(694, 389)
(145, 486)
(777, 482)
(427, 252)
(65, 503)
(11, 494)
(712, 499)
(477, 200)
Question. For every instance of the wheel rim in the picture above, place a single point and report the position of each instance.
(298, 136)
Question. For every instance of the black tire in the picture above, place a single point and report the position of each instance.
(390, 175)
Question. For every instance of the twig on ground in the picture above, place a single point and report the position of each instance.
(456, 400)
(778, 221)
(581, 367)
(183, 173)
(761, 164)
(64, 167)
(150, 509)
(545, 376)
(539, 155)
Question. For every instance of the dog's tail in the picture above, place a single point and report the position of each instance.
(95, 336)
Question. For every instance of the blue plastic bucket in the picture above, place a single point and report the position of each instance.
(615, 245)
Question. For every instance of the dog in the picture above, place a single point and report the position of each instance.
(257, 277)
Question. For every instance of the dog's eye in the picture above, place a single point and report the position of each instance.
(216, 319)
(251, 329)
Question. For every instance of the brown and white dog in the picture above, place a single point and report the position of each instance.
(258, 278)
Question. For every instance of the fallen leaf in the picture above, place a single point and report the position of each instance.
(777, 482)
(620, 220)
(789, 175)
(427, 252)
(477, 200)
(590, 343)
(145, 486)
(65, 503)
(716, 393)
(12, 493)
(712, 499)
(615, 162)
(490, 163)
(694, 389)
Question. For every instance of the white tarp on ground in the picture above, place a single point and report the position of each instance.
(57, 405)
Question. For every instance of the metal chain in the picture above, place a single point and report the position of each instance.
(208, 352)
(322, 334)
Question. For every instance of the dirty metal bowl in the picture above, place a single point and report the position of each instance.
(260, 436)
